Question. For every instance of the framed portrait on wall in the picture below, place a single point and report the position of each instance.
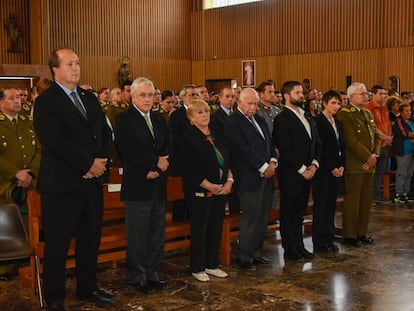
(249, 73)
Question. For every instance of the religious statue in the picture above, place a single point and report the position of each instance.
(14, 32)
(124, 75)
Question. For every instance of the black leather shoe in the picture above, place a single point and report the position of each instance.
(366, 239)
(158, 285)
(333, 248)
(144, 287)
(55, 306)
(293, 255)
(246, 265)
(352, 242)
(262, 261)
(99, 296)
(305, 253)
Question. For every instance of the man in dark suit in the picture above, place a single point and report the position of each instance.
(220, 117)
(254, 168)
(76, 144)
(296, 137)
(143, 140)
(179, 123)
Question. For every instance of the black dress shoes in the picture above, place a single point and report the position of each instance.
(158, 285)
(333, 248)
(144, 287)
(99, 296)
(55, 306)
(262, 261)
(305, 253)
(328, 248)
(352, 242)
(293, 255)
(366, 239)
(246, 265)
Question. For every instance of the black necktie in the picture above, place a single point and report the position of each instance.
(255, 126)
(79, 105)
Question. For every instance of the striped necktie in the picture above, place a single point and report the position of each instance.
(79, 105)
(148, 121)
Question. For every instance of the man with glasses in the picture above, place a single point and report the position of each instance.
(382, 122)
(179, 122)
(144, 142)
(361, 151)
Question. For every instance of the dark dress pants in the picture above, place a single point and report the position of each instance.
(325, 188)
(255, 207)
(64, 216)
(145, 226)
(294, 199)
(206, 217)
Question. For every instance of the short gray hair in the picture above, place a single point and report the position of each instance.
(138, 82)
(352, 89)
(185, 87)
(246, 91)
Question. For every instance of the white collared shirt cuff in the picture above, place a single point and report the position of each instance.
(263, 168)
(302, 169)
(314, 161)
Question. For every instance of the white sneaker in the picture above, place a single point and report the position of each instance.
(217, 273)
(201, 276)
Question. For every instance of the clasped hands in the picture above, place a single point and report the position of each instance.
(338, 171)
(219, 189)
(309, 172)
(162, 164)
(97, 169)
(270, 170)
(370, 163)
(23, 178)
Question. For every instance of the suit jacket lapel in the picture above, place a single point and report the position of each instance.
(299, 122)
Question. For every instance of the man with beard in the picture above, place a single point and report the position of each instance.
(296, 137)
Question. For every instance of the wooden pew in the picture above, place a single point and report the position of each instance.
(113, 240)
(113, 237)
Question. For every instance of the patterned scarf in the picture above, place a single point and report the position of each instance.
(219, 156)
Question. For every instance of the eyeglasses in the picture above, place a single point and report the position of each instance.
(363, 94)
(192, 94)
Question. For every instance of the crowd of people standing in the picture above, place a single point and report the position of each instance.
(64, 142)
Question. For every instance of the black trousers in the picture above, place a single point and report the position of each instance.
(64, 216)
(293, 203)
(325, 188)
(206, 217)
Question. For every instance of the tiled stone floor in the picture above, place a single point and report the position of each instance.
(376, 277)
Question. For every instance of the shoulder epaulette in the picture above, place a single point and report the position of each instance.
(346, 109)
(2, 117)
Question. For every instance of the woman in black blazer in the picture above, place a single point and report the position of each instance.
(327, 179)
(207, 178)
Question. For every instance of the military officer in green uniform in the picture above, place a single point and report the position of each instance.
(19, 152)
(117, 105)
(362, 146)
(27, 106)
(120, 99)
(166, 106)
(19, 147)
